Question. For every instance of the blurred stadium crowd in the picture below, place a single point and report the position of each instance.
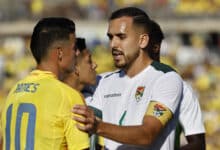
(100, 9)
(196, 55)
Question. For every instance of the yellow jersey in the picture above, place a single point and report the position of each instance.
(37, 115)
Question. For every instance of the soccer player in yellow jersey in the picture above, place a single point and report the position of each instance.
(37, 114)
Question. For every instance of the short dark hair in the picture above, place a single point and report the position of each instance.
(80, 44)
(156, 39)
(156, 33)
(46, 32)
(140, 18)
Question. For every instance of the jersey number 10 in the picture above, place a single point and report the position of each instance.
(22, 108)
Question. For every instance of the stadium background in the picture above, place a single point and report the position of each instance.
(192, 43)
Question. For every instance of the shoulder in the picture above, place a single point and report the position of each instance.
(164, 73)
(88, 90)
(108, 74)
(162, 67)
(187, 87)
(71, 96)
(63, 90)
(68, 90)
(189, 95)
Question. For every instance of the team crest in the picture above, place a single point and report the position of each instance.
(158, 110)
(139, 93)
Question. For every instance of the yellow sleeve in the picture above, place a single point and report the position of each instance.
(1, 136)
(101, 140)
(76, 139)
(2, 103)
(159, 111)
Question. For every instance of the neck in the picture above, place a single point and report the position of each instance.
(76, 85)
(138, 65)
(47, 66)
(73, 81)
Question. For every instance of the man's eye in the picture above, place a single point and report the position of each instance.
(109, 36)
(74, 48)
(90, 61)
(122, 37)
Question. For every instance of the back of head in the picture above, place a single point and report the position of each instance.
(157, 36)
(46, 32)
(80, 44)
(156, 33)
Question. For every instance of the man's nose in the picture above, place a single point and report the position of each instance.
(114, 42)
(94, 65)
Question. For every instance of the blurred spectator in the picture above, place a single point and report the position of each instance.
(37, 7)
(213, 44)
(2, 71)
(185, 53)
(197, 7)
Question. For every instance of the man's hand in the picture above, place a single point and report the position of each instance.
(87, 118)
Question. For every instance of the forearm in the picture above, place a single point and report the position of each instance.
(124, 134)
(136, 135)
(192, 146)
(143, 134)
(196, 141)
(188, 147)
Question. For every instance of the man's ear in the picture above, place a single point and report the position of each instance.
(76, 70)
(156, 48)
(144, 39)
(60, 54)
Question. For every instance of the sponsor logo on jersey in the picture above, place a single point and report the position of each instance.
(158, 110)
(112, 95)
(139, 93)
